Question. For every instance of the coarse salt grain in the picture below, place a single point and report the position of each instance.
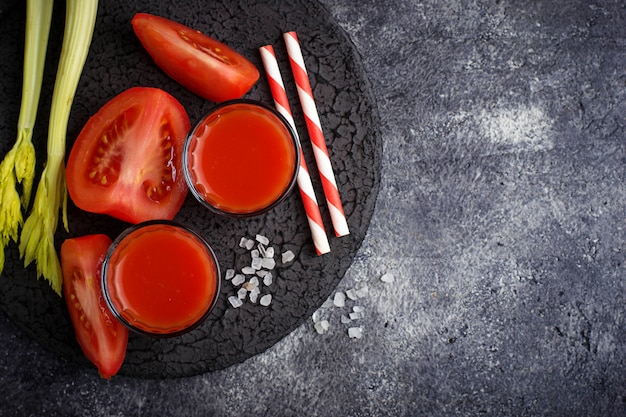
(340, 299)
(235, 301)
(255, 253)
(266, 300)
(254, 294)
(269, 252)
(345, 319)
(268, 279)
(287, 256)
(238, 279)
(243, 242)
(257, 263)
(388, 277)
(230, 273)
(354, 315)
(321, 326)
(362, 292)
(355, 332)
(351, 294)
(315, 316)
(249, 244)
(268, 263)
(262, 240)
(248, 270)
(262, 272)
(242, 293)
(249, 286)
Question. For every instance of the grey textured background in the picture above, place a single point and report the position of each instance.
(501, 216)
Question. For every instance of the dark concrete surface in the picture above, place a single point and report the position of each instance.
(501, 217)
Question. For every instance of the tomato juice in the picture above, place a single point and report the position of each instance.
(242, 159)
(160, 278)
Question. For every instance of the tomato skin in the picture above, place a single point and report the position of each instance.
(200, 63)
(127, 160)
(102, 338)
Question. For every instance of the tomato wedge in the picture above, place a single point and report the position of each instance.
(100, 335)
(198, 62)
(127, 160)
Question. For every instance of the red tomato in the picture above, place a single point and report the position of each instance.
(100, 335)
(200, 63)
(127, 160)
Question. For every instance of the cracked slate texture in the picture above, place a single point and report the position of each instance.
(501, 215)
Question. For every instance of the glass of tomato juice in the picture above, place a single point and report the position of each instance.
(160, 278)
(241, 159)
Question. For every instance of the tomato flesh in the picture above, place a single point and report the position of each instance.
(127, 160)
(200, 63)
(102, 338)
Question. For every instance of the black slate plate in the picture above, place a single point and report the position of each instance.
(116, 62)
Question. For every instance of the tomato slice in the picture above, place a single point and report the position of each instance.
(100, 335)
(200, 63)
(127, 160)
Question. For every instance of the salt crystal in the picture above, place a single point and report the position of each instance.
(254, 294)
(256, 264)
(249, 244)
(316, 316)
(355, 316)
(362, 292)
(241, 294)
(355, 332)
(268, 279)
(249, 286)
(262, 272)
(262, 240)
(248, 270)
(358, 309)
(266, 300)
(321, 326)
(230, 273)
(268, 263)
(238, 279)
(269, 252)
(345, 319)
(288, 256)
(261, 250)
(388, 277)
(235, 301)
(340, 299)
(243, 242)
(255, 253)
(351, 293)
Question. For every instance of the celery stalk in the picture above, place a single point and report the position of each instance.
(37, 238)
(18, 165)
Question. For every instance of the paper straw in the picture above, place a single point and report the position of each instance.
(314, 127)
(314, 217)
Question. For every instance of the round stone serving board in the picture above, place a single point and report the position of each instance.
(116, 62)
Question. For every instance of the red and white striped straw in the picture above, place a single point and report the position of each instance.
(314, 217)
(322, 158)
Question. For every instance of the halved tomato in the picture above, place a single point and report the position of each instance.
(127, 160)
(100, 335)
(200, 63)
